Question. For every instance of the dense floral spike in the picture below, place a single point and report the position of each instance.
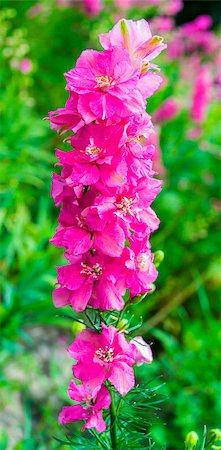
(105, 189)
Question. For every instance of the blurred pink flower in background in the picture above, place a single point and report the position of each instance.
(25, 65)
(38, 8)
(173, 7)
(201, 93)
(167, 111)
(157, 156)
(162, 24)
(92, 7)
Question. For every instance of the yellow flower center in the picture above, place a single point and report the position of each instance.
(125, 206)
(95, 270)
(92, 150)
(103, 82)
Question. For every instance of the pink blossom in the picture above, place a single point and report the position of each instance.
(201, 92)
(96, 156)
(92, 7)
(143, 351)
(35, 10)
(94, 400)
(74, 234)
(136, 38)
(81, 171)
(110, 85)
(173, 7)
(201, 23)
(63, 3)
(124, 4)
(130, 208)
(68, 118)
(167, 110)
(139, 271)
(91, 280)
(59, 189)
(157, 156)
(162, 23)
(25, 65)
(78, 238)
(194, 133)
(104, 356)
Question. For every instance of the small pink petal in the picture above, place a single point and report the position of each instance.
(122, 377)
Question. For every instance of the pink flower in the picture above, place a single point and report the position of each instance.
(79, 238)
(136, 38)
(59, 189)
(110, 85)
(143, 351)
(82, 172)
(173, 7)
(25, 65)
(92, 280)
(157, 156)
(68, 118)
(139, 271)
(167, 110)
(96, 156)
(74, 235)
(38, 8)
(92, 7)
(201, 23)
(104, 356)
(124, 4)
(162, 23)
(94, 400)
(201, 95)
(130, 208)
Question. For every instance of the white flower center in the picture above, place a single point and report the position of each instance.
(143, 261)
(105, 354)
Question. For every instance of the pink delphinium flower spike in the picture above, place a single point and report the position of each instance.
(105, 188)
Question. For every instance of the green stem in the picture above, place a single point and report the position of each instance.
(113, 428)
(122, 313)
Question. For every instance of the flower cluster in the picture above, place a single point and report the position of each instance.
(105, 190)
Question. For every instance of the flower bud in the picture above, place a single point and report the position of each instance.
(158, 258)
(77, 327)
(137, 299)
(122, 325)
(214, 435)
(191, 440)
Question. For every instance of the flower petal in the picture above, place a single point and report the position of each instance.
(122, 377)
(72, 413)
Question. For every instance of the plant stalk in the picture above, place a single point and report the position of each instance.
(113, 428)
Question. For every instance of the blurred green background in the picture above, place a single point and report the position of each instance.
(39, 42)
